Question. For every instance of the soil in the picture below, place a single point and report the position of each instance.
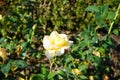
(115, 54)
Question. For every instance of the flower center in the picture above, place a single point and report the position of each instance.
(60, 41)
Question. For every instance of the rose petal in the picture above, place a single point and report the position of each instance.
(62, 51)
(54, 34)
(50, 54)
(64, 36)
(47, 42)
(69, 43)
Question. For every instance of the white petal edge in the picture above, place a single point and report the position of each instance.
(54, 34)
(62, 51)
(46, 42)
(50, 54)
(64, 36)
(70, 43)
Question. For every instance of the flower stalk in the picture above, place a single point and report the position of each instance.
(116, 14)
(51, 63)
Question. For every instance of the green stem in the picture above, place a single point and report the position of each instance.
(116, 14)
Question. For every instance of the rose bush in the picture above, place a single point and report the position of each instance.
(56, 44)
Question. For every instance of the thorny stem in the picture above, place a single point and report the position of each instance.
(116, 14)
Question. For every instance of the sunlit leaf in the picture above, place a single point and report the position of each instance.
(111, 15)
(61, 72)
(92, 8)
(116, 31)
(51, 75)
(83, 77)
(38, 77)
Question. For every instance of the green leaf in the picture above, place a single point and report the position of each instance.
(68, 58)
(92, 8)
(84, 43)
(99, 19)
(61, 72)
(83, 77)
(51, 75)
(5, 68)
(20, 64)
(38, 77)
(104, 9)
(13, 19)
(116, 32)
(111, 15)
(24, 44)
(83, 67)
(60, 77)
(101, 50)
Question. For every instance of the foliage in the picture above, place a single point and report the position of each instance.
(25, 22)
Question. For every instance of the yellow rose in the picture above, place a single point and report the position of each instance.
(56, 44)
(3, 54)
(75, 71)
(96, 53)
(91, 77)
